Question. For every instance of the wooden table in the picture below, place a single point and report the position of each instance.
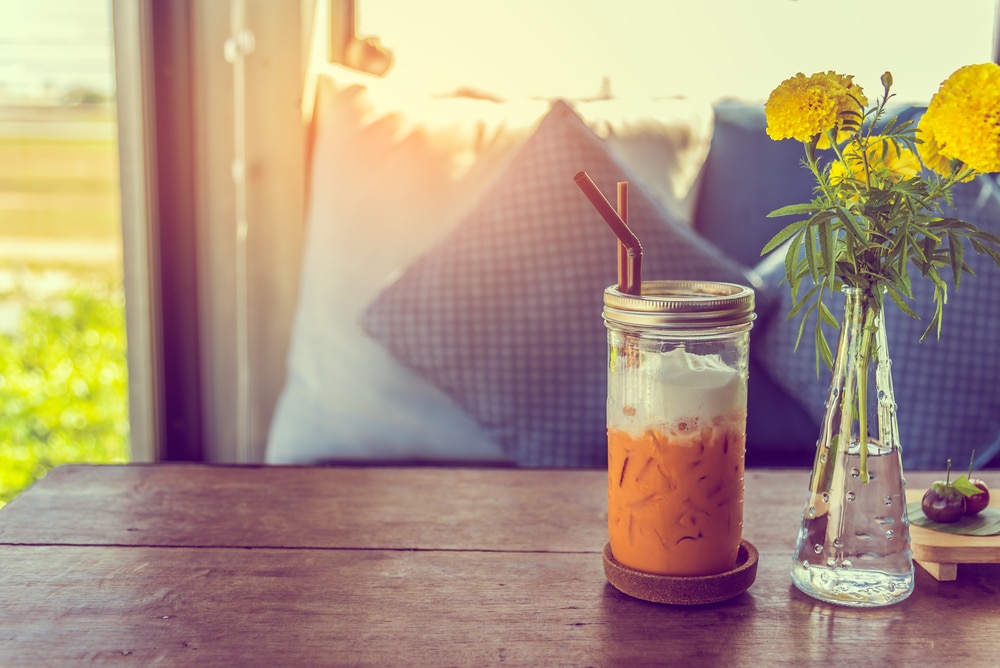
(227, 565)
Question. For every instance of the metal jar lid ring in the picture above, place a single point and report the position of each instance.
(700, 304)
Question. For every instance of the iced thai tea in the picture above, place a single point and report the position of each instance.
(675, 496)
(678, 356)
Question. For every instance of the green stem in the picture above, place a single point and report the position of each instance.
(861, 318)
(863, 362)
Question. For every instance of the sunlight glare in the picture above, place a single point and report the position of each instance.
(703, 50)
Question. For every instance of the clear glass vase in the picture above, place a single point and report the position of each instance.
(853, 546)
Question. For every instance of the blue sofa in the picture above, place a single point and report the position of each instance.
(443, 320)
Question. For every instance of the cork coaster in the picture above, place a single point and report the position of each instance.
(684, 590)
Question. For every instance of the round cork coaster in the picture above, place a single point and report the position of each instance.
(684, 590)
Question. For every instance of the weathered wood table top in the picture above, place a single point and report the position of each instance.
(186, 564)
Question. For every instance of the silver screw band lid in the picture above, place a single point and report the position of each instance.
(671, 304)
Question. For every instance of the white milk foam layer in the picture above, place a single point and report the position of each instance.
(681, 387)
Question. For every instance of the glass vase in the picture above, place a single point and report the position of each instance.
(853, 547)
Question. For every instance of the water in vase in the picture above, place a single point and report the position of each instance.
(853, 547)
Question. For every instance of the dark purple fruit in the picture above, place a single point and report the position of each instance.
(943, 503)
(976, 503)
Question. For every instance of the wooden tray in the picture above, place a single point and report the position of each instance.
(940, 553)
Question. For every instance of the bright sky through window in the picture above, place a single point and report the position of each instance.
(47, 46)
(711, 49)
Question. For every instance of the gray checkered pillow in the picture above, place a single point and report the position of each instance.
(504, 315)
(947, 390)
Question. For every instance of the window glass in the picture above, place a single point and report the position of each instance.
(63, 376)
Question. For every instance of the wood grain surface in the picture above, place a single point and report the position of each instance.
(221, 565)
(940, 552)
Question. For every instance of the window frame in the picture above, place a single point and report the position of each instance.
(175, 107)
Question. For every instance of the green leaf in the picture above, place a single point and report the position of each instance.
(988, 237)
(953, 224)
(783, 235)
(826, 315)
(826, 243)
(810, 246)
(981, 248)
(940, 299)
(792, 253)
(850, 253)
(793, 210)
(798, 337)
(897, 299)
(956, 252)
(928, 247)
(903, 249)
(850, 223)
(965, 486)
(896, 129)
(823, 351)
(804, 301)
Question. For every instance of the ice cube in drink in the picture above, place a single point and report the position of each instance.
(675, 496)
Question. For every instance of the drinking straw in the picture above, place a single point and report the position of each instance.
(629, 277)
(622, 207)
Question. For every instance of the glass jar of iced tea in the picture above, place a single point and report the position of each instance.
(677, 396)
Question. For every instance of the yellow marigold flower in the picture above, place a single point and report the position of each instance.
(887, 163)
(962, 121)
(802, 107)
(930, 152)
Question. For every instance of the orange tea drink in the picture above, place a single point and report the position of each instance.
(678, 355)
(675, 496)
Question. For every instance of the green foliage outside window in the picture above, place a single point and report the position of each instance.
(63, 387)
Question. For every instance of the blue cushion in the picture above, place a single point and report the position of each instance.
(780, 432)
(746, 176)
(345, 397)
(947, 391)
(504, 315)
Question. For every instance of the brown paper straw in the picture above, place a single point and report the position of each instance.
(624, 267)
(631, 278)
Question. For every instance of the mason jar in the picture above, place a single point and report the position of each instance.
(677, 395)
